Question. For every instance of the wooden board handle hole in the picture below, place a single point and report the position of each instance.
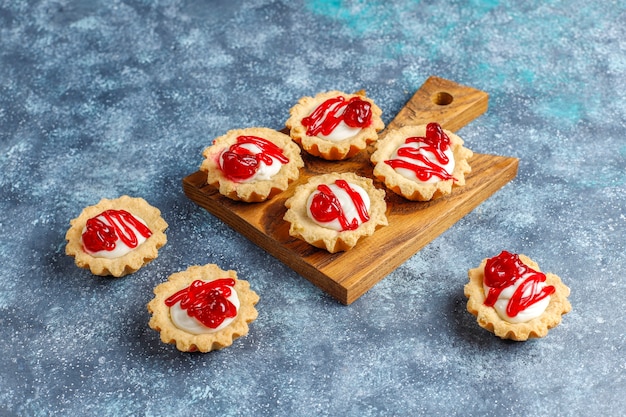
(442, 98)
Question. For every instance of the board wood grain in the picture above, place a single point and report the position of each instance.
(348, 275)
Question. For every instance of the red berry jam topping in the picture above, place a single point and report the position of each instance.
(207, 302)
(417, 158)
(103, 231)
(326, 207)
(326, 117)
(505, 270)
(240, 163)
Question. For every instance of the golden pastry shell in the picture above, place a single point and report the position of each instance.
(326, 149)
(488, 318)
(133, 260)
(412, 190)
(257, 191)
(303, 227)
(188, 342)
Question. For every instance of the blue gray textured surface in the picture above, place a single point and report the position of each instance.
(105, 98)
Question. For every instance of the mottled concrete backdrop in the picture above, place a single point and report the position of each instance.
(111, 97)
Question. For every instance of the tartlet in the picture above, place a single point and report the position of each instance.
(513, 299)
(421, 162)
(334, 125)
(252, 164)
(202, 308)
(333, 211)
(116, 237)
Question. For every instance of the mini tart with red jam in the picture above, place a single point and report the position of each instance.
(333, 211)
(116, 237)
(422, 162)
(202, 308)
(335, 125)
(513, 299)
(252, 164)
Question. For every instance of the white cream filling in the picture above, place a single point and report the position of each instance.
(349, 208)
(183, 321)
(533, 311)
(121, 248)
(264, 172)
(342, 131)
(410, 174)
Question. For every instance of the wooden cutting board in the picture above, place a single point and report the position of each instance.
(348, 275)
